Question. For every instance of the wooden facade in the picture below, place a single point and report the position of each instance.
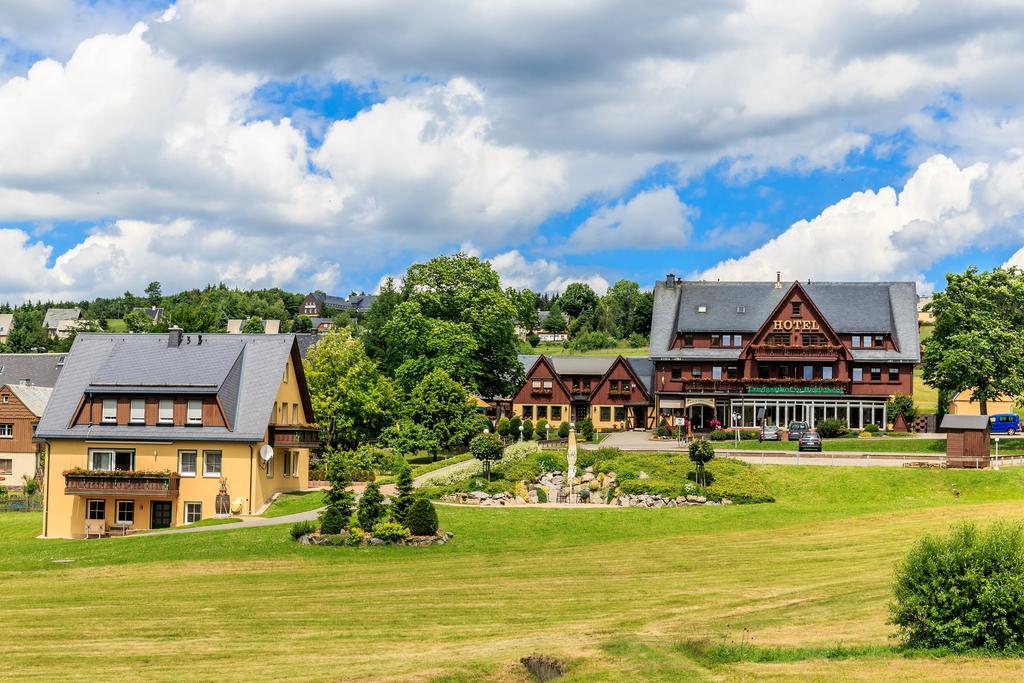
(91, 410)
(967, 441)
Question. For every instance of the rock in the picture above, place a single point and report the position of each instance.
(479, 495)
(609, 476)
(376, 541)
(711, 502)
(643, 475)
(520, 501)
(587, 478)
(532, 497)
(701, 499)
(624, 501)
(304, 539)
(680, 500)
(589, 470)
(726, 501)
(691, 498)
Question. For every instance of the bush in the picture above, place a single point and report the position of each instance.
(653, 487)
(30, 485)
(901, 404)
(422, 518)
(831, 428)
(721, 435)
(404, 496)
(563, 430)
(527, 430)
(503, 426)
(662, 432)
(300, 529)
(963, 590)
(371, 507)
(701, 452)
(586, 429)
(636, 340)
(519, 450)
(749, 434)
(541, 428)
(355, 537)
(872, 428)
(391, 532)
(332, 521)
(513, 426)
(549, 462)
(591, 341)
(533, 340)
(542, 495)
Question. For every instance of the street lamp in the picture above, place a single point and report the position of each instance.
(520, 433)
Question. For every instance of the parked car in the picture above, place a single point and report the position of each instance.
(796, 430)
(769, 433)
(1004, 423)
(810, 441)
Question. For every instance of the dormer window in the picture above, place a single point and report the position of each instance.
(194, 415)
(702, 308)
(166, 412)
(796, 309)
(60, 361)
(109, 415)
(138, 411)
(741, 309)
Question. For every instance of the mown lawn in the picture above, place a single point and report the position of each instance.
(290, 503)
(619, 594)
(560, 350)
(876, 445)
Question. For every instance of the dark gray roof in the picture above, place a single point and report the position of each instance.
(55, 315)
(849, 307)
(644, 369)
(244, 369)
(355, 302)
(964, 422)
(306, 341)
(594, 365)
(152, 312)
(40, 369)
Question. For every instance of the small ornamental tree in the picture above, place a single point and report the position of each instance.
(253, 326)
(513, 426)
(701, 453)
(405, 493)
(371, 506)
(541, 428)
(422, 518)
(563, 430)
(963, 590)
(486, 448)
(586, 428)
(527, 430)
(503, 426)
(338, 499)
(901, 404)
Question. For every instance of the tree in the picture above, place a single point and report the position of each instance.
(578, 300)
(302, 324)
(624, 303)
(442, 406)
(503, 426)
(153, 293)
(421, 518)
(555, 322)
(352, 400)
(371, 506)
(338, 499)
(253, 326)
(137, 321)
(901, 404)
(527, 430)
(513, 426)
(380, 312)
(487, 448)
(976, 344)
(195, 318)
(409, 438)
(524, 301)
(701, 453)
(27, 333)
(403, 500)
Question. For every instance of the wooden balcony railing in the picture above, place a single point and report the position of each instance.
(132, 483)
(541, 391)
(762, 386)
(767, 351)
(294, 436)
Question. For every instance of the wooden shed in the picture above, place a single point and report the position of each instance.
(967, 442)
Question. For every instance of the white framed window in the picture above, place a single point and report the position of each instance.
(826, 372)
(109, 411)
(125, 512)
(7, 398)
(193, 512)
(194, 416)
(716, 372)
(110, 460)
(212, 461)
(6, 466)
(6, 430)
(137, 415)
(808, 372)
(96, 509)
(188, 463)
(858, 374)
(165, 412)
(270, 467)
(855, 341)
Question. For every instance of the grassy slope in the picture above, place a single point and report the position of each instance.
(290, 503)
(616, 592)
(559, 350)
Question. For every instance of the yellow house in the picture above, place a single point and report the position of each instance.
(147, 431)
(963, 403)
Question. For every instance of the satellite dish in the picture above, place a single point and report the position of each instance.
(266, 452)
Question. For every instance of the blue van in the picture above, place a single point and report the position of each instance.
(1004, 423)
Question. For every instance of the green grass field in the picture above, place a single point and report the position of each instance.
(876, 445)
(116, 325)
(793, 590)
(290, 503)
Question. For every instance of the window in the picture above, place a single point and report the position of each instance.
(778, 339)
(796, 309)
(7, 466)
(624, 386)
(194, 416)
(731, 372)
(687, 340)
(285, 378)
(808, 372)
(783, 372)
(6, 431)
(702, 309)
(876, 374)
(741, 309)
(879, 340)
(295, 413)
(858, 374)
(737, 340)
(855, 341)
(826, 372)
(112, 461)
(605, 414)
(188, 463)
(61, 360)
(211, 463)
(96, 509)
(137, 415)
(586, 385)
(286, 466)
(193, 512)
(527, 412)
(542, 412)
(695, 371)
(548, 385)
(716, 372)
(866, 341)
(620, 414)
(716, 340)
(109, 410)
(125, 512)
(535, 384)
(894, 374)
(270, 467)
(7, 398)
(677, 373)
(764, 372)
(556, 413)
(165, 415)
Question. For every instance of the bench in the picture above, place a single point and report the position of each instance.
(95, 527)
(120, 530)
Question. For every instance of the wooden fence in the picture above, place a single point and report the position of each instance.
(16, 502)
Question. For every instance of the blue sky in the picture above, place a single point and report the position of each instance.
(328, 145)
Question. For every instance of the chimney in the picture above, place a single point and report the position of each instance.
(778, 279)
(174, 337)
(670, 278)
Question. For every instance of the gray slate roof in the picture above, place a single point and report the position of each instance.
(34, 398)
(979, 422)
(594, 365)
(55, 315)
(360, 303)
(244, 369)
(40, 369)
(849, 307)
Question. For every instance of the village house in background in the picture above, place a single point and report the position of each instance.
(924, 317)
(318, 305)
(6, 323)
(154, 313)
(269, 326)
(148, 431)
(61, 322)
(26, 380)
(963, 403)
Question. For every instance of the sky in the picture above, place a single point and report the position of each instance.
(328, 144)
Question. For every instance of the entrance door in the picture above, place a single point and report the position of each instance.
(639, 417)
(580, 412)
(161, 515)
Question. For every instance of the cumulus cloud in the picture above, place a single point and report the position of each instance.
(874, 235)
(541, 275)
(653, 219)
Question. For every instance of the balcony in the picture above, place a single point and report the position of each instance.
(79, 482)
(620, 393)
(540, 391)
(761, 386)
(767, 352)
(294, 436)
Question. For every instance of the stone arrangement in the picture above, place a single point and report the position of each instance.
(440, 538)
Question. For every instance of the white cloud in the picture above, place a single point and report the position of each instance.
(653, 219)
(871, 235)
(541, 275)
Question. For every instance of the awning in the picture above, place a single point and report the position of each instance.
(670, 403)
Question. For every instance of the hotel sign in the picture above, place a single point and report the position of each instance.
(788, 325)
(794, 390)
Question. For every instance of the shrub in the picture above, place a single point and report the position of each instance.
(901, 404)
(513, 426)
(636, 340)
(355, 537)
(519, 450)
(541, 428)
(591, 341)
(391, 532)
(503, 426)
(563, 430)
(533, 340)
(371, 507)
(548, 462)
(662, 432)
(333, 521)
(302, 529)
(542, 495)
(30, 486)
(318, 474)
(872, 428)
(701, 452)
(486, 448)
(404, 497)
(963, 590)
(527, 430)
(749, 434)
(831, 428)
(422, 518)
(653, 487)
(586, 429)
(721, 435)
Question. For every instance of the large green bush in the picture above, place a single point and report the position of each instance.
(333, 521)
(527, 430)
(302, 528)
(585, 428)
(831, 428)
(541, 428)
(371, 507)
(963, 590)
(422, 518)
(721, 435)
(563, 430)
